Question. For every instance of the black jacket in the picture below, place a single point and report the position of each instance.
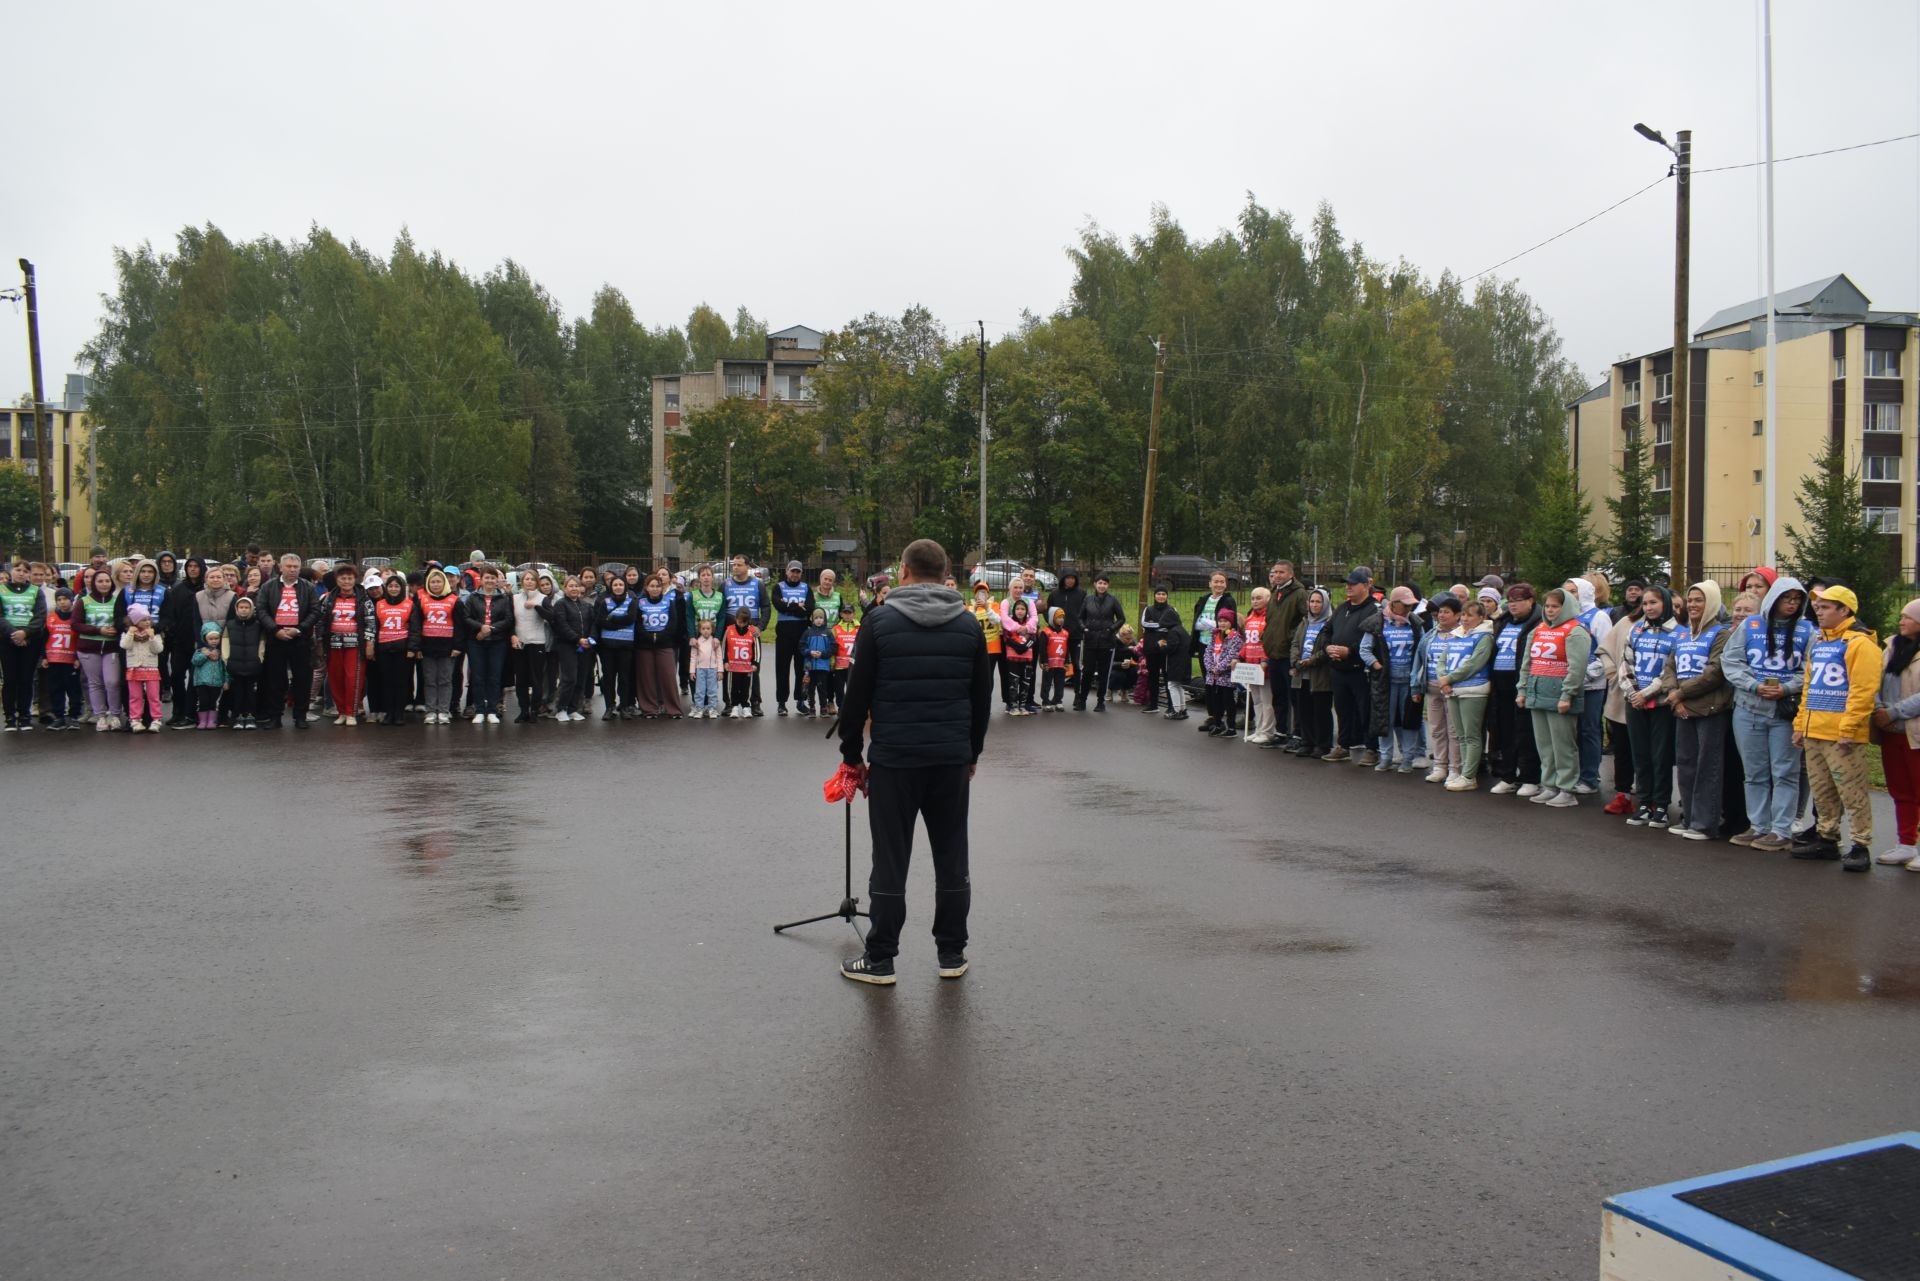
(1348, 624)
(1100, 618)
(572, 621)
(921, 671)
(785, 613)
(675, 629)
(472, 614)
(267, 602)
(243, 645)
(407, 644)
(180, 611)
(1068, 600)
(36, 627)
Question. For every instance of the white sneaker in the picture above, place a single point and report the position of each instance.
(138, 728)
(1563, 801)
(1530, 789)
(1436, 775)
(353, 720)
(114, 722)
(1581, 789)
(1899, 855)
(100, 724)
(1504, 788)
(493, 718)
(1541, 795)
(341, 719)
(1461, 783)
(1914, 866)
(479, 718)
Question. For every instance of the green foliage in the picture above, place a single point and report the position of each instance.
(610, 419)
(1555, 545)
(19, 509)
(779, 480)
(1632, 549)
(1836, 543)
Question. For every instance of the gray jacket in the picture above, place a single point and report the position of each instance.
(1740, 674)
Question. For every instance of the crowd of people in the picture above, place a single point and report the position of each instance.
(1722, 721)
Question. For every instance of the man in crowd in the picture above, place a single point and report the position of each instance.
(1352, 695)
(792, 607)
(288, 608)
(921, 672)
(743, 591)
(1284, 606)
(1068, 597)
(1100, 619)
(1843, 679)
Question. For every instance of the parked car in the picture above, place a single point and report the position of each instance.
(557, 574)
(996, 573)
(1194, 571)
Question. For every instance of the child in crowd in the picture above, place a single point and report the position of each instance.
(243, 651)
(142, 646)
(1129, 679)
(743, 659)
(209, 675)
(1260, 714)
(816, 650)
(845, 632)
(63, 673)
(1220, 652)
(1175, 663)
(706, 658)
(1018, 641)
(1057, 642)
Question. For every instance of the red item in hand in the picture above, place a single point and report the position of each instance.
(845, 783)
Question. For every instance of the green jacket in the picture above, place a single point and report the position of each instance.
(1543, 693)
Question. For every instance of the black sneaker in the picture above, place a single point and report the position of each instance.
(1656, 818)
(1148, 710)
(300, 722)
(1640, 816)
(758, 712)
(609, 715)
(1100, 706)
(952, 964)
(1227, 732)
(1208, 726)
(783, 709)
(1180, 715)
(864, 969)
(1814, 846)
(1857, 859)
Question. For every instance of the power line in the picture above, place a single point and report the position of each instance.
(1570, 230)
(1808, 155)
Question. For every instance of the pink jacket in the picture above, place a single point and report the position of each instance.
(1024, 630)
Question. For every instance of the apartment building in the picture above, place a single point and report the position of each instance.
(784, 375)
(71, 440)
(1846, 373)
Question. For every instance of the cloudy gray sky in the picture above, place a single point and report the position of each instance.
(815, 162)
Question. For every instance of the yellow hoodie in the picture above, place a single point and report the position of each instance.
(1843, 677)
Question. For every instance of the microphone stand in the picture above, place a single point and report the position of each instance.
(849, 905)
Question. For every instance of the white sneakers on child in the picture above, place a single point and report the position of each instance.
(1437, 775)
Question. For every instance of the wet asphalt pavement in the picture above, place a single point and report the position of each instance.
(461, 1002)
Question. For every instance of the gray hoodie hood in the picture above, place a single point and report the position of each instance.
(1781, 586)
(1584, 590)
(927, 604)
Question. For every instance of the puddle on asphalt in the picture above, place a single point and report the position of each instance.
(1824, 965)
(1175, 927)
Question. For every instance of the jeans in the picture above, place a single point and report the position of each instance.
(1650, 732)
(19, 663)
(896, 798)
(487, 661)
(1280, 683)
(1700, 750)
(1409, 739)
(1593, 711)
(63, 690)
(1772, 766)
(1352, 705)
(706, 690)
(1093, 671)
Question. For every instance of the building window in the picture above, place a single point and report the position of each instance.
(1662, 479)
(793, 387)
(1663, 386)
(1758, 474)
(747, 384)
(1759, 426)
(1883, 467)
(1663, 433)
(1883, 520)
(1632, 394)
(1839, 368)
(6, 446)
(1883, 364)
(1663, 526)
(1759, 376)
(1880, 418)
(672, 397)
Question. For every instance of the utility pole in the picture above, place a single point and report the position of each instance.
(726, 521)
(1771, 475)
(42, 446)
(1681, 568)
(983, 441)
(1153, 473)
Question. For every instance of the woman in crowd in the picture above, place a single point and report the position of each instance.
(486, 625)
(1552, 690)
(183, 627)
(96, 639)
(1613, 661)
(1430, 660)
(530, 639)
(1649, 720)
(1701, 701)
(395, 647)
(1765, 663)
(1393, 663)
(1897, 718)
(439, 643)
(347, 630)
(616, 620)
(1467, 684)
(1518, 769)
(656, 672)
(1312, 678)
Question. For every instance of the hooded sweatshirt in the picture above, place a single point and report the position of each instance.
(1844, 667)
(1598, 623)
(1068, 596)
(1643, 660)
(1694, 667)
(1764, 647)
(1310, 669)
(209, 671)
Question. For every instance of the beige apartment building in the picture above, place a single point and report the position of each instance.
(785, 375)
(71, 442)
(1847, 374)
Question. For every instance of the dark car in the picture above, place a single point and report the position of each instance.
(1194, 571)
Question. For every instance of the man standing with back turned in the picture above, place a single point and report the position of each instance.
(921, 672)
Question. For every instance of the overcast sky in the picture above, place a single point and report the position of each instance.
(818, 161)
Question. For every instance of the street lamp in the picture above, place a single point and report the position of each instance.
(726, 528)
(1678, 560)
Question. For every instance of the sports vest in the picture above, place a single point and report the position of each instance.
(656, 614)
(989, 619)
(1208, 608)
(148, 598)
(1459, 650)
(1587, 616)
(1649, 647)
(287, 612)
(1057, 643)
(741, 596)
(1690, 653)
(1400, 645)
(829, 603)
(705, 609)
(1309, 633)
(1506, 648)
(1547, 650)
(1792, 647)
(620, 617)
(1251, 650)
(59, 638)
(843, 638)
(1828, 683)
(436, 615)
(345, 615)
(739, 651)
(99, 613)
(17, 604)
(394, 616)
(794, 594)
